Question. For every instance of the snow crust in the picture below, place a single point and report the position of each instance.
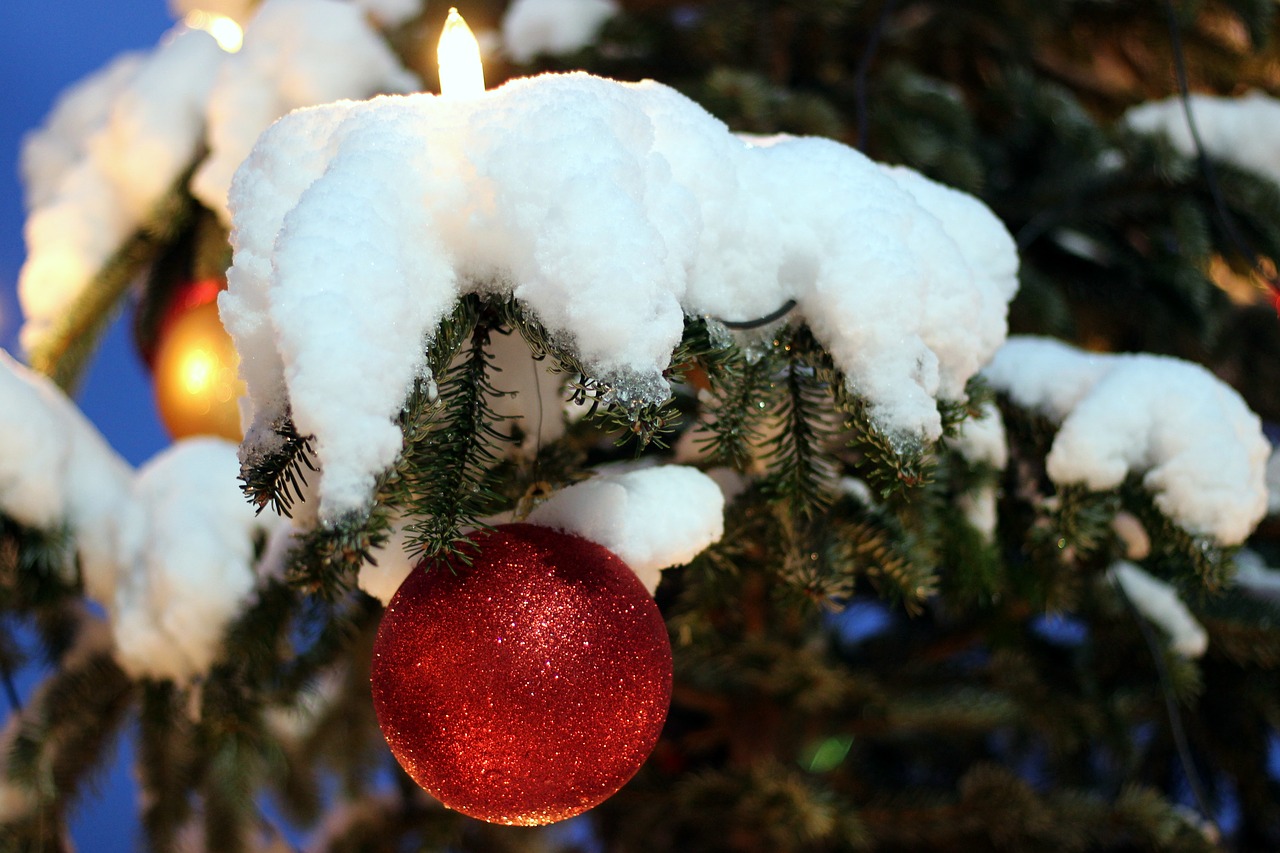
(1198, 447)
(113, 146)
(608, 210)
(555, 27)
(118, 140)
(296, 53)
(1159, 602)
(652, 518)
(168, 551)
(1243, 131)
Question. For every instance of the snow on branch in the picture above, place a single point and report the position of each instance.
(117, 142)
(112, 148)
(609, 211)
(653, 518)
(1159, 602)
(555, 27)
(1243, 131)
(168, 552)
(1197, 446)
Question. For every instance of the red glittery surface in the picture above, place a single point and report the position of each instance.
(525, 688)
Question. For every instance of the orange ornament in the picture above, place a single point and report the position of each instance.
(196, 381)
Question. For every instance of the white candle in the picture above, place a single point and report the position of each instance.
(461, 72)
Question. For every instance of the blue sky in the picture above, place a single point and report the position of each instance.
(46, 45)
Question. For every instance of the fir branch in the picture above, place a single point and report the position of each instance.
(609, 402)
(449, 463)
(741, 399)
(276, 476)
(65, 733)
(63, 351)
(327, 558)
(164, 763)
(800, 469)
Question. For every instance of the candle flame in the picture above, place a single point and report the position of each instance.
(461, 72)
(225, 31)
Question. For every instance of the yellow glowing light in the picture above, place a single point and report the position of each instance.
(461, 72)
(225, 31)
(197, 389)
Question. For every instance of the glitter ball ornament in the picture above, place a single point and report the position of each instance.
(527, 687)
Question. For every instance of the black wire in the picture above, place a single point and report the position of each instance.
(1238, 240)
(864, 69)
(1176, 726)
(781, 312)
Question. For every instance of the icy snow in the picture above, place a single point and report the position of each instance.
(608, 210)
(112, 148)
(168, 552)
(1243, 131)
(1198, 447)
(1159, 602)
(554, 27)
(653, 518)
(296, 53)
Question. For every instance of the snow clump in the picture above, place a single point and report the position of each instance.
(296, 53)
(1243, 131)
(168, 551)
(653, 518)
(1159, 602)
(609, 210)
(554, 27)
(1198, 447)
(116, 142)
(112, 148)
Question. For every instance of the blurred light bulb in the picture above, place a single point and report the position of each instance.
(197, 389)
(225, 31)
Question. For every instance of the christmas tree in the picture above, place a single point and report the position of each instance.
(771, 426)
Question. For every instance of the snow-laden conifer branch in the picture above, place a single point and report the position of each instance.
(450, 490)
(62, 348)
(621, 209)
(800, 470)
(1191, 439)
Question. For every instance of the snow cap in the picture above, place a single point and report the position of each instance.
(1243, 131)
(652, 518)
(186, 555)
(1158, 601)
(553, 27)
(610, 211)
(296, 53)
(1198, 447)
(57, 470)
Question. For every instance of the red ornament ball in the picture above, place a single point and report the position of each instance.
(527, 687)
